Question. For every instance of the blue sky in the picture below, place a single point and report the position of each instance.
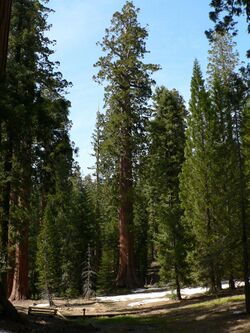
(176, 38)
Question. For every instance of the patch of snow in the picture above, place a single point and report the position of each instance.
(147, 301)
(155, 295)
(193, 291)
(41, 305)
(129, 297)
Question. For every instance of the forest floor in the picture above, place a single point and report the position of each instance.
(197, 313)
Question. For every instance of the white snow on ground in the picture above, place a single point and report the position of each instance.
(193, 291)
(155, 296)
(184, 292)
(150, 295)
(129, 297)
(41, 305)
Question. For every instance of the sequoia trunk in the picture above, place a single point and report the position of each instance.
(126, 276)
(21, 276)
(20, 280)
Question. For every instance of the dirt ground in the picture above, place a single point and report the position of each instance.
(198, 314)
(92, 307)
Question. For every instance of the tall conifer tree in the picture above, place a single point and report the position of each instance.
(198, 181)
(126, 96)
(166, 154)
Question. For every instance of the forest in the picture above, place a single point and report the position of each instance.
(167, 202)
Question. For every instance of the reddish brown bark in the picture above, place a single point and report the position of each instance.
(20, 280)
(20, 288)
(126, 276)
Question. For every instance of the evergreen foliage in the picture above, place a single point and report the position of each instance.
(229, 10)
(127, 92)
(88, 275)
(107, 272)
(166, 154)
(48, 256)
(170, 189)
(198, 180)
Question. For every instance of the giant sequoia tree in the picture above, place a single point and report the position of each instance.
(126, 95)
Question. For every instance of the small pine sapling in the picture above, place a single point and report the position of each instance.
(88, 276)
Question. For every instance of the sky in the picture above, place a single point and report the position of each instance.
(176, 38)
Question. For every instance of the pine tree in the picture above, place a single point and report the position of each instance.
(107, 272)
(88, 275)
(166, 155)
(126, 96)
(103, 191)
(239, 97)
(48, 256)
(198, 180)
(222, 63)
(231, 92)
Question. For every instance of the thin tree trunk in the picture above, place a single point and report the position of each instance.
(231, 283)
(212, 287)
(212, 278)
(176, 271)
(218, 283)
(50, 299)
(177, 283)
